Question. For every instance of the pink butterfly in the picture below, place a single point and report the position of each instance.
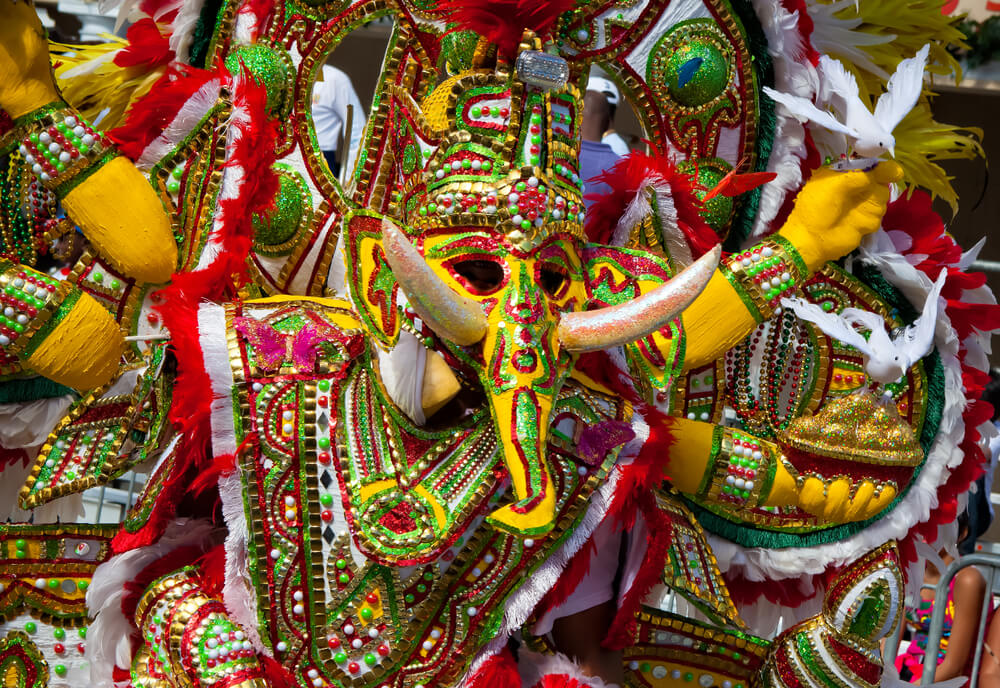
(273, 348)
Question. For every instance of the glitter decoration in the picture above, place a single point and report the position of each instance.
(857, 427)
(278, 232)
(271, 68)
(718, 210)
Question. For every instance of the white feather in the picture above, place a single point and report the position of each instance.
(183, 123)
(840, 36)
(640, 208)
(109, 641)
(183, 31)
(902, 91)
(971, 256)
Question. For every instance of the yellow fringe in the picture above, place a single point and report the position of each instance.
(105, 84)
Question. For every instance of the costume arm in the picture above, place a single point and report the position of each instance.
(968, 598)
(832, 213)
(733, 467)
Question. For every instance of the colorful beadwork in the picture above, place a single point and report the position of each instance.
(61, 147)
(765, 274)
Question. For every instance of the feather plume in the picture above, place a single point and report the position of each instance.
(614, 213)
(183, 30)
(184, 122)
(503, 22)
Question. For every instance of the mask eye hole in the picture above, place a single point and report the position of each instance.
(552, 280)
(480, 276)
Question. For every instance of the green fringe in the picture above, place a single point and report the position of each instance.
(746, 212)
(204, 30)
(754, 536)
(31, 389)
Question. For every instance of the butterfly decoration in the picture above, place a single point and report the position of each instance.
(597, 440)
(273, 348)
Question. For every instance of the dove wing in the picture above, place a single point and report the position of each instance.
(842, 82)
(878, 340)
(832, 325)
(903, 90)
(804, 110)
(918, 338)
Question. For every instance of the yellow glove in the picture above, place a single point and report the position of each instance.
(101, 192)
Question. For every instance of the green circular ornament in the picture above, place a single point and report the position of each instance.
(697, 72)
(709, 172)
(276, 232)
(268, 67)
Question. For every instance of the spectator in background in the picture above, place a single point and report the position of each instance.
(961, 620)
(595, 155)
(607, 88)
(332, 93)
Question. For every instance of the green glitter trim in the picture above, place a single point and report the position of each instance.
(706, 480)
(46, 329)
(39, 114)
(808, 658)
(83, 175)
(744, 296)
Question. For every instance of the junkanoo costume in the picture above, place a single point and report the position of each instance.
(385, 425)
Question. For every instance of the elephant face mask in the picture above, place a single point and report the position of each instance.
(492, 258)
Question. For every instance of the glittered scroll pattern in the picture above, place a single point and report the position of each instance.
(615, 276)
(373, 287)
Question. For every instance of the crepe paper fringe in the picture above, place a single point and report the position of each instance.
(503, 22)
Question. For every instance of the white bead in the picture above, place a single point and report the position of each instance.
(757, 455)
(54, 147)
(489, 558)
(439, 174)
(44, 137)
(471, 611)
(298, 609)
(357, 643)
(9, 312)
(582, 36)
(746, 262)
(775, 282)
(30, 159)
(675, 674)
(312, 673)
(581, 217)
(87, 139)
(538, 222)
(69, 121)
(36, 168)
(435, 634)
(29, 288)
(349, 629)
(287, 415)
(428, 645)
(477, 165)
(730, 479)
(532, 181)
(79, 130)
(633, 665)
(4, 341)
(740, 483)
(490, 209)
(767, 251)
(373, 633)
(289, 514)
(45, 176)
(706, 681)
(287, 428)
(65, 157)
(557, 214)
(727, 684)
(529, 543)
(786, 276)
(23, 319)
(281, 646)
(290, 501)
(704, 415)
(456, 165)
(512, 197)
(692, 416)
(257, 386)
(476, 573)
(212, 654)
(275, 554)
(317, 683)
(40, 583)
(659, 671)
(749, 484)
(755, 256)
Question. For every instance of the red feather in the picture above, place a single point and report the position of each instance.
(147, 47)
(625, 179)
(503, 21)
(733, 184)
(499, 671)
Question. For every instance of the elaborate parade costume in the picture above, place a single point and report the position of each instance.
(394, 428)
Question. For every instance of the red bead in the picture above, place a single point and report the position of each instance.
(327, 515)
(372, 598)
(334, 643)
(80, 647)
(324, 458)
(353, 667)
(383, 650)
(153, 318)
(59, 648)
(322, 402)
(534, 149)
(504, 112)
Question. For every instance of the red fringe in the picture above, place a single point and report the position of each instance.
(559, 681)
(11, 457)
(625, 179)
(275, 674)
(569, 579)
(499, 671)
(212, 570)
(503, 21)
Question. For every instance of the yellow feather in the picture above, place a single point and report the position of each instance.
(91, 82)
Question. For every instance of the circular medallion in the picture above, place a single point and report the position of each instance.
(692, 65)
(270, 67)
(708, 172)
(277, 232)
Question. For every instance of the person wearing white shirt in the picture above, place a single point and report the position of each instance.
(610, 91)
(332, 94)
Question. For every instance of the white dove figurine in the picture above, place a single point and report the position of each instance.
(886, 359)
(871, 133)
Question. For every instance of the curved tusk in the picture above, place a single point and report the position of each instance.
(456, 318)
(631, 321)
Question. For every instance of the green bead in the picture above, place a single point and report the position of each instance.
(827, 306)
(98, 277)
(487, 165)
(33, 138)
(367, 614)
(536, 138)
(267, 66)
(344, 579)
(370, 659)
(645, 667)
(326, 500)
(323, 442)
(340, 657)
(520, 186)
(477, 111)
(421, 588)
(466, 164)
(20, 544)
(31, 627)
(428, 576)
(280, 223)
(71, 475)
(60, 669)
(59, 634)
(82, 585)
(178, 172)
(423, 211)
(60, 166)
(341, 564)
(525, 224)
(688, 677)
(82, 632)
(324, 385)
(173, 187)
(53, 583)
(495, 111)
(115, 284)
(409, 597)
(534, 160)
(432, 207)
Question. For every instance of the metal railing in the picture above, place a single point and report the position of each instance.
(989, 564)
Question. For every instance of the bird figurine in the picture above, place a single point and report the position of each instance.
(871, 133)
(886, 358)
